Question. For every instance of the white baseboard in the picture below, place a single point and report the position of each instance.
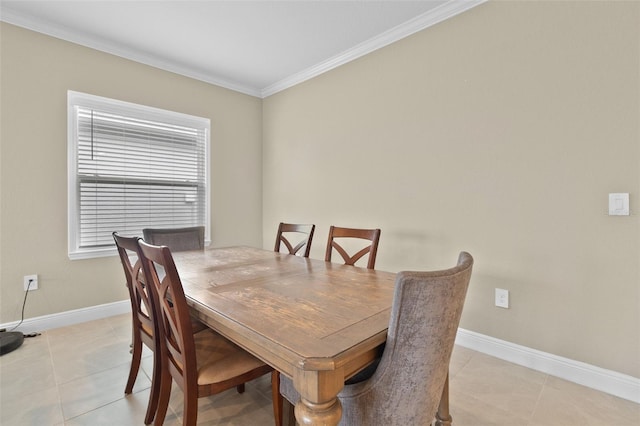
(608, 381)
(76, 316)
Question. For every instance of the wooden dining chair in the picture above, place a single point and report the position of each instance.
(407, 386)
(177, 239)
(201, 364)
(285, 232)
(291, 230)
(144, 323)
(373, 235)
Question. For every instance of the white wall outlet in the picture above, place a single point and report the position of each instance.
(619, 204)
(34, 282)
(502, 298)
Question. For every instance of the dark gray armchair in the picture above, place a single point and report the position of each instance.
(407, 385)
(177, 239)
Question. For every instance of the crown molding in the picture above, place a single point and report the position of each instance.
(434, 16)
(41, 26)
(419, 23)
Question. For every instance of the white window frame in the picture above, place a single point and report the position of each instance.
(78, 99)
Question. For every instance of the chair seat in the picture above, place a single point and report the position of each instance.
(220, 360)
(201, 364)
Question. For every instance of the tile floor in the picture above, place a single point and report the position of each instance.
(76, 376)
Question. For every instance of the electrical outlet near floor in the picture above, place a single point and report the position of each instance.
(30, 282)
(502, 298)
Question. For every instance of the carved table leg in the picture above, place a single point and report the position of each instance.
(443, 417)
(318, 404)
(328, 413)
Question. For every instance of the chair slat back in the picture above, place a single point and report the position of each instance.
(177, 341)
(373, 235)
(291, 228)
(142, 304)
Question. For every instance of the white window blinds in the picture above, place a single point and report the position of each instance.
(134, 167)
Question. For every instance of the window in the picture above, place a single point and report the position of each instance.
(132, 167)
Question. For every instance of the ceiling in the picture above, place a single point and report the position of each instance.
(254, 47)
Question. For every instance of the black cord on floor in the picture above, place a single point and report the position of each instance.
(24, 303)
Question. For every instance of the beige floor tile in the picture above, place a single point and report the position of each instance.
(23, 380)
(126, 411)
(96, 390)
(505, 386)
(466, 410)
(261, 385)
(28, 369)
(32, 350)
(121, 325)
(146, 364)
(79, 373)
(81, 358)
(42, 407)
(459, 358)
(83, 330)
(230, 408)
(569, 404)
(172, 419)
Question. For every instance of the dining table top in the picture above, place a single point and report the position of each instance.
(292, 312)
(316, 322)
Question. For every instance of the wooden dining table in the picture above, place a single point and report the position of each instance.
(316, 322)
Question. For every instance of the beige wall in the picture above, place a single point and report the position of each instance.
(501, 132)
(36, 72)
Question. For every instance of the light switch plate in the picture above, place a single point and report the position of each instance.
(619, 204)
(502, 298)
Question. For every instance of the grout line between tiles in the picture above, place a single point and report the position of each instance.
(538, 399)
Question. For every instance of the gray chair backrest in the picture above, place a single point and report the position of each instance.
(406, 387)
(177, 239)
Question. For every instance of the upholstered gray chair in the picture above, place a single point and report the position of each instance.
(177, 239)
(406, 387)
